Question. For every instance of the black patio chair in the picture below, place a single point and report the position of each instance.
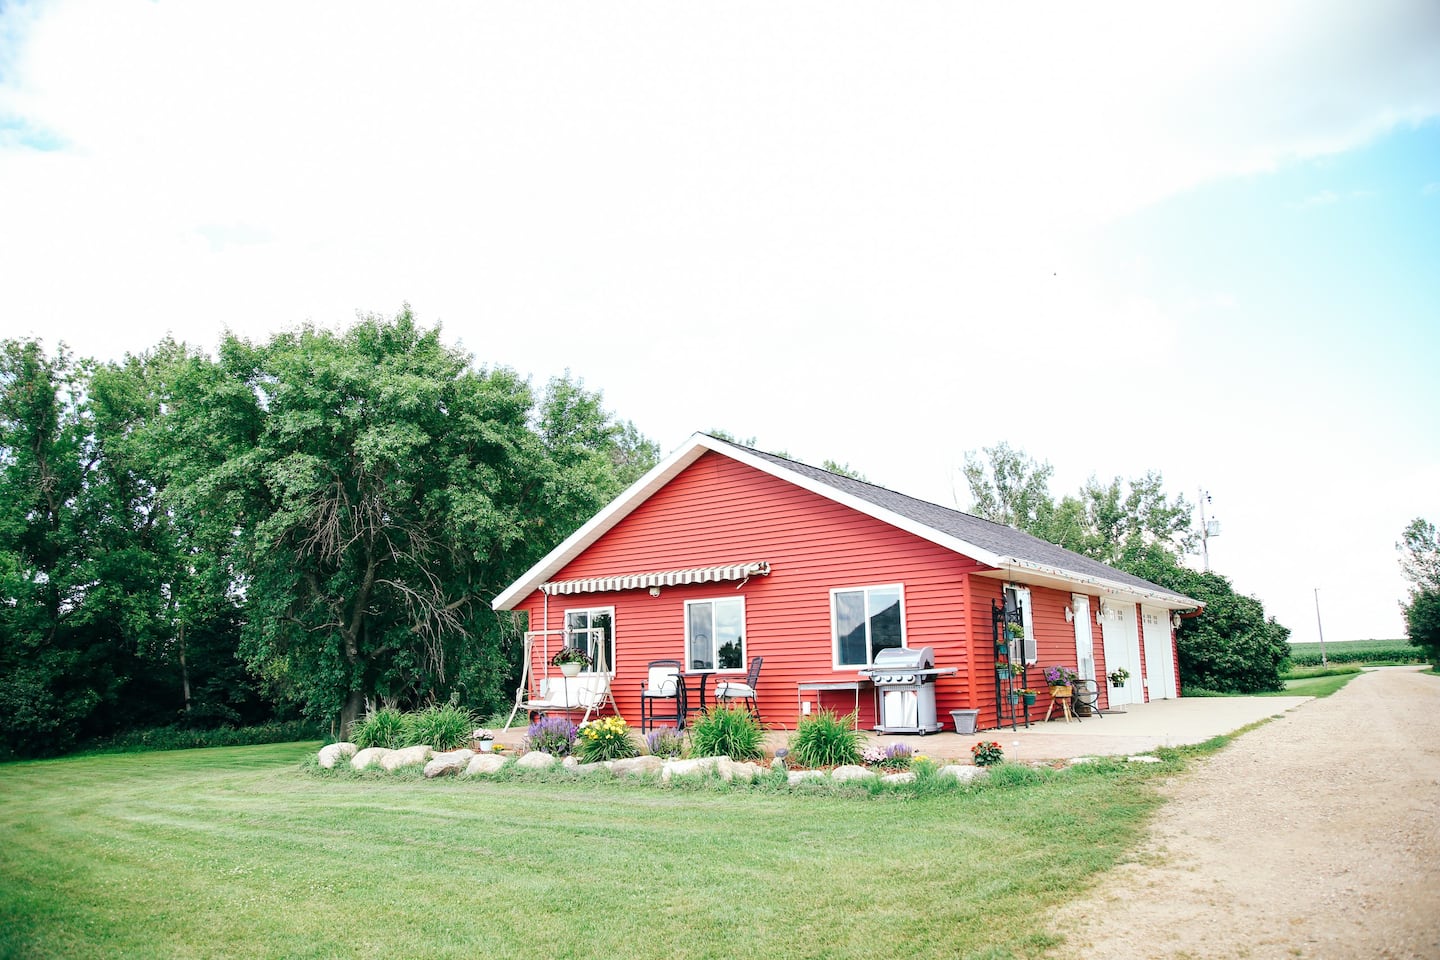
(662, 682)
(1087, 696)
(728, 690)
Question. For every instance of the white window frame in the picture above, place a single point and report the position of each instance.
(869, 644)
(1030, 648)
(590, 612)
(714, 651)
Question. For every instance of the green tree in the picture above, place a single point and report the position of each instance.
(376, 490)
(1133, 526)
(1419, 548)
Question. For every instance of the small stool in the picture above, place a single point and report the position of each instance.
(1064, 700)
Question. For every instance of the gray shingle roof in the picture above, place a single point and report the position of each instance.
(995, 537)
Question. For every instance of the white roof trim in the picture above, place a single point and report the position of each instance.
(663, 472)
(663, 578)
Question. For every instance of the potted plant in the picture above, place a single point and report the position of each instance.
(1015, 631)
(1119, 676)
(1014, 697)
(571, 660)
(1002, 669)
(1061, 679)
(484, 740)
(1029, 696)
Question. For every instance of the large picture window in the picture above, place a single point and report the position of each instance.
(580, 627)
(715, 634)
(866, 621)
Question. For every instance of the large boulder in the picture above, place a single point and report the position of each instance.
(369, 755)
(962, 772)
(850, 771)
(637, 766)
(406, 757)
(688, 768)
(536, 760)
(484, 763)
(906, 776)
(445, 764)
(333, 753)
(800, 776)
(737, 770)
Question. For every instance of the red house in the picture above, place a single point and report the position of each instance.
(722, 553)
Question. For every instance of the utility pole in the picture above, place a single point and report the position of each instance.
(1208, 529)
(1321, 627)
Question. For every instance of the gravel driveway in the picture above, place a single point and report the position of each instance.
(1314, 836)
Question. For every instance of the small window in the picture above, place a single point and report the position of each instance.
(1016, 596)
(587, 629)
(866, 620)
(715, 634)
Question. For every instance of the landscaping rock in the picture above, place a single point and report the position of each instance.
(368, 756)
(800, 776)
(687, 768)
(850, 771)
(637, 766)
(536, 760)
(484, 763)
(570, 762)
(443, 764)
(739, 770)
(905, 777)
(333, 753)
(406, 757)
(1143, 759)
(1075, 760)
(962, 772)
(599, 766)
(778, 763)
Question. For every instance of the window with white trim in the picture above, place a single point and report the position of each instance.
(715, 634)
(866, 620)
(580, 631)
(1018, 596)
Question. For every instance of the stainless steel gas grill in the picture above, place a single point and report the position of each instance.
(904, 681)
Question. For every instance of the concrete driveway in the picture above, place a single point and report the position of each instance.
(1140, 729)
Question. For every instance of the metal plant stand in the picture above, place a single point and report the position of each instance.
(1005, 622)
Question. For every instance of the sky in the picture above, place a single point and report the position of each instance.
(1122, 237)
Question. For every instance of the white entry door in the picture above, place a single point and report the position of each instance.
(1084, 637)
(1159, 653)
(1121, 637)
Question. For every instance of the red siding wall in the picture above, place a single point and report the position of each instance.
(719, 511)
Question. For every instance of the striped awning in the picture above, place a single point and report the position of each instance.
(663, 578)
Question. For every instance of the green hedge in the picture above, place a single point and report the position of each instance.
(1355, 651)
(184, 738)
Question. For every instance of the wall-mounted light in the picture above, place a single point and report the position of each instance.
(1069, 615)
(654, 591)
(1175, 620)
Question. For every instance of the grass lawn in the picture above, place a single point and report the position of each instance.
(239, 852)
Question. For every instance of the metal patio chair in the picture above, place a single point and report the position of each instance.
(662, 682)
(1087, 695)
(728, 690)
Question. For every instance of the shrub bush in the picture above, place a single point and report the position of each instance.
(440, 728)
(665, 742)
(825, 739)
(607, 739)
(186, 738)
(727, 731)
(386, 727)
(552, 735)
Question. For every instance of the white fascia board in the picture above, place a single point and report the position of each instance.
(1024, 571)
(594, 528)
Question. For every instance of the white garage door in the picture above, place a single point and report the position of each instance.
(1121, 637)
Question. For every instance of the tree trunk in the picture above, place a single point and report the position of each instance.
(354, 705)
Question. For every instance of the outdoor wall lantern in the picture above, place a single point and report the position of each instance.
(654, 591)
(1069, 615)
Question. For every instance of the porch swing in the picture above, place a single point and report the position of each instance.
(589, 692)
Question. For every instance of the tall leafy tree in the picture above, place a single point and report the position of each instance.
(377, 490)
(1419, 548)
(1133, 526)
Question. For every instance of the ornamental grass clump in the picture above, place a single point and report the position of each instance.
(607, 739)
(665, 742)
(385, 727)
(552, 735)
(441, 728)
(726, 732)
(825, 739)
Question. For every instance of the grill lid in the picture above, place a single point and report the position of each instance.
(905, 658)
